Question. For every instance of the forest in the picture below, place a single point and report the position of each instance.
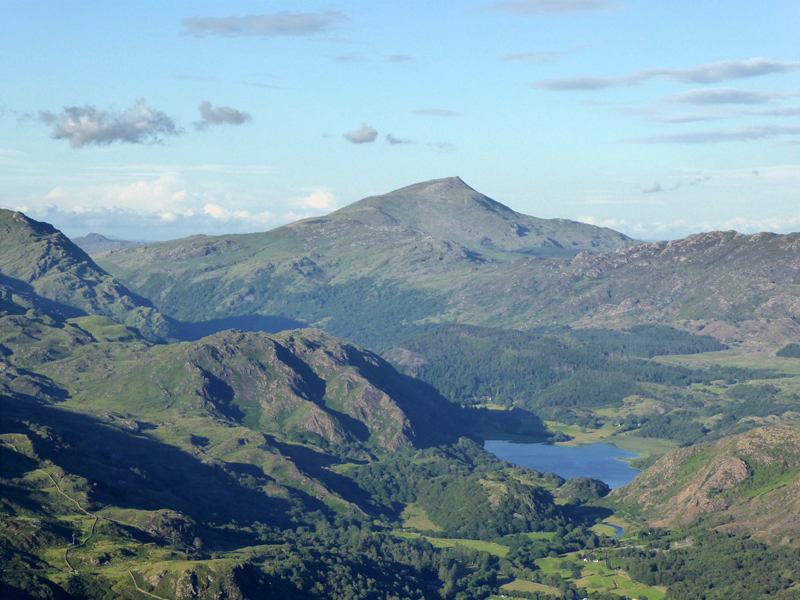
(565, 375)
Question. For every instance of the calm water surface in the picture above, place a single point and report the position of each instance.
(595, 460)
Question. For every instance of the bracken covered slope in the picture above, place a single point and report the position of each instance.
(748, 482)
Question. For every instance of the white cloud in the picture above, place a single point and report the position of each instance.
(83, 125)
(224, 214)
(724, 96)
(435, 112)
(783, 111)
(394, 141)
(550, 7)
(714, 136)
(725, 70)
(613, 223)
(317, 200)
(267, 25)
(680, 228)
(532, 58)
(363, 135)
(219, 116)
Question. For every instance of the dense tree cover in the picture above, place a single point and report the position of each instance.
(749, 400)
(583, 489)
(341, 561)
(533, 369)
(564, 377)
(718, 567)
(678, 426)
(789, 351)
(646, 341)
(464, 490)
(372, 314)
(523, 551)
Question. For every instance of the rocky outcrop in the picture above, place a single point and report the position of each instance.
(751, 479)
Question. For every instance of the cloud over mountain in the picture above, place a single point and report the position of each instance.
(83, 125)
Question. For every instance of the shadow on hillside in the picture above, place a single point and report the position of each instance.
(315, 389)
(27, 292)
(192, 331)
(437, 421)
(586, 514)
(133, 471)
(316, 465)
(516, 425)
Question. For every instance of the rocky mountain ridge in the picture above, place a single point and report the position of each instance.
(41, 268)
(744, 483)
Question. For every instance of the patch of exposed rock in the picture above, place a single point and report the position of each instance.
(752, 479)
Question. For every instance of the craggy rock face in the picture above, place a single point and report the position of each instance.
(722, 479)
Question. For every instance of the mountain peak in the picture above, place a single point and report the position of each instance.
(436, 186)
(450, 210)
(95, 242)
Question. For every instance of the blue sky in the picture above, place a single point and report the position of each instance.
(157, 120)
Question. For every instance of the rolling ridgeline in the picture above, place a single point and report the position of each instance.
(244, 464)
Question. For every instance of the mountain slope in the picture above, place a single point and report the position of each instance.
(384, 260)
(440, 252)
(449, 210)
(748, 482)
(41, 268)
(732, 286)
(241, 465)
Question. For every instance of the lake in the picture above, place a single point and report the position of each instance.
(597, 460)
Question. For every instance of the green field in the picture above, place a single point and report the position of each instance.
(415, 517)
(490, 547)
(520, 585)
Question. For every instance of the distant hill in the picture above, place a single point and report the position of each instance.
(439, 252)
(41, 268)
(450, 210)
(388, 260)
(744, 483)
(94, 242)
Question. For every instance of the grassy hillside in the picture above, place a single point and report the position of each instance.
(41, 269)
(440, 252)
(388, 261)
(234, 465)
